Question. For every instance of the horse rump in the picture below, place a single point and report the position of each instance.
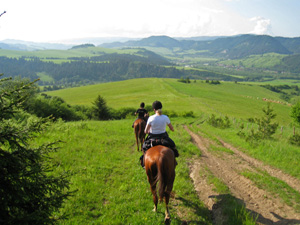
(160, 168)
(166, 174)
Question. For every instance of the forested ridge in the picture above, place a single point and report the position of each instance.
(162, 57)
(105, 68)
(84, 70)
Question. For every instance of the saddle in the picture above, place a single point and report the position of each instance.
(165, 141)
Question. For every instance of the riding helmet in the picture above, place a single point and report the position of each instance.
(156, 105)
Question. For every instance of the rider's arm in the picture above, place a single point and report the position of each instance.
(171, 127)
(147, 129)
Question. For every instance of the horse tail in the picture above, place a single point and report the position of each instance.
(140, 130)
(162, 176)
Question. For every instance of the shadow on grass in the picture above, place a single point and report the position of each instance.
(199, 211)
(237, 213)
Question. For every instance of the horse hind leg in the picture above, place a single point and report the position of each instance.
(137, 140)
(167, 195)
(155, 198)
(167, 212)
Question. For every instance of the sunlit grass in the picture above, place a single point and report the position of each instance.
(110, 185)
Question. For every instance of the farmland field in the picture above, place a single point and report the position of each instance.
(220, 178)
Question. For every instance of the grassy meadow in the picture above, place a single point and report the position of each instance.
(58, 56)
(236, 100)
(111, 187)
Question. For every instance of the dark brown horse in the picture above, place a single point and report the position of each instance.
(160, 167)
(139, 131)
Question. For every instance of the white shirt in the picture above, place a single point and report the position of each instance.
(158, 123)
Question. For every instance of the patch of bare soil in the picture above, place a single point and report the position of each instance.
(228, 168)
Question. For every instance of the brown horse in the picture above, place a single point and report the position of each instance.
(160, 167)
(139, 130)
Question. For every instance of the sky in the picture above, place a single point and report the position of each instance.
(59, 20)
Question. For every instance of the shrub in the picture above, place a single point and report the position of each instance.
(170, 113)
(219, 122)
(184, 80)
(188, 114)
(295, 139)
(295, 113)
(45, 106)
(265, 129)
(122, 113)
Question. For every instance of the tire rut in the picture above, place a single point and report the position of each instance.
(227, 167)
(291, 181)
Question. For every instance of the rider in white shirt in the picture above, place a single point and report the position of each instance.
(156, 130)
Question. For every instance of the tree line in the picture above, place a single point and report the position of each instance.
(107, 68)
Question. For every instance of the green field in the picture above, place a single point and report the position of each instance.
(235, 100)
(54, 55)
(111, 186)
(257, 61)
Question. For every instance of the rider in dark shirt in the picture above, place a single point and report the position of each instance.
(141, 112)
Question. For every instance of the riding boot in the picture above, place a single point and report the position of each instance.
(175, 152)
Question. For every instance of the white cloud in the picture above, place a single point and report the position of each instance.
(65, 19)
(261, 25)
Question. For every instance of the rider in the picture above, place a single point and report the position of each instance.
(141, 112)
(156, 130)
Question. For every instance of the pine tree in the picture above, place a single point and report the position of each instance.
(100, 109)
(28, 193)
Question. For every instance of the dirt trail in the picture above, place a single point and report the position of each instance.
(227, 167)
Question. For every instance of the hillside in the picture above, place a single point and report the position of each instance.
(228, 47)
(232, 99)
(235, 58)
(207, 53)
(86, 64)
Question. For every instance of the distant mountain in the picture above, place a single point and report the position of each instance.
(246, 45)
(232, 47)
(226, 47)
(31, 46)
(20, 45)
(289, 63)
(10, 47)
(292, 44)
(153, 41)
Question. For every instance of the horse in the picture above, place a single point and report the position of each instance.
(160, 167)
(139, 131)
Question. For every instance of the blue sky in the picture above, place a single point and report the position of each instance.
(61, 20)
(283, 14)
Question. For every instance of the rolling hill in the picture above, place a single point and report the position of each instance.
(235, 58)
(232, 99)
(228, 47)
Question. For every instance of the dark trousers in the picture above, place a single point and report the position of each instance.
(158, 139)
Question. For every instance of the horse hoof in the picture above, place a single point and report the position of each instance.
(167, 220)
